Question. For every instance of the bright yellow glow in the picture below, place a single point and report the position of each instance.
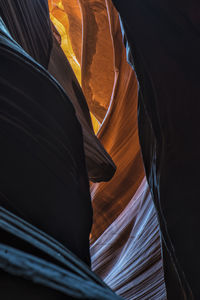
(66, 45)
(60, 5)
(60, 20)
(95, 123)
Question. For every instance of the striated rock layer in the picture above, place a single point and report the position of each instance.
(125, 238)
(125, 241)
(43, 176)
(30, 26)
(28, 23)
(131, 266)
(164, 43)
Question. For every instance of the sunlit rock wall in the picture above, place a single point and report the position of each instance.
(125, 241)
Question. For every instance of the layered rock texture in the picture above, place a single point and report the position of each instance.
(163, 45)
(64, 76)
(125, 240)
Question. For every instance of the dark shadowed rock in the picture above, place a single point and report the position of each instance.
(43, 174)
(164, 42)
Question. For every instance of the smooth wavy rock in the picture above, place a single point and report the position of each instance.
(43, 175)
(119, 134)
(127, 256)
(29, 24)
(164, 41)
(97, 56)
(125, 242)
(35, 266)
(99, 164)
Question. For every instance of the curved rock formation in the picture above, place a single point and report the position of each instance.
(127, 255)
(28, 23)
(30, 26)
(43, 175)
(35, 266)
(125, 241)
(99, 164)
(164, 41)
